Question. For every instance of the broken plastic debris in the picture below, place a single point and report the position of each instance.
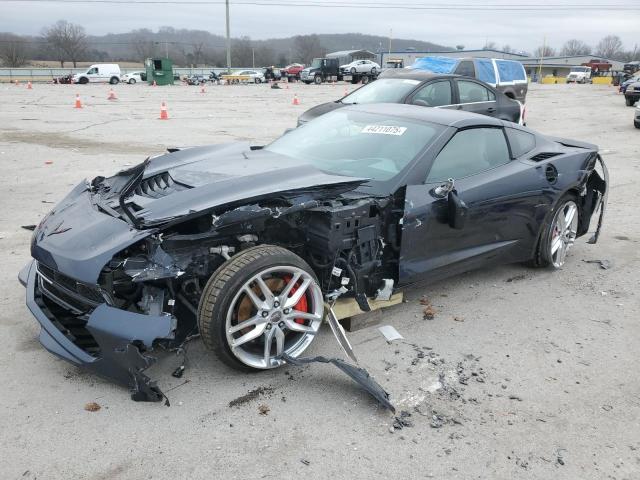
(92, 407)
(340, 335)
(359, 375)
(390, 333)
(604, 264)
(29, 227)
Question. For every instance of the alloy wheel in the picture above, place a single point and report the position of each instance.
(563, 233)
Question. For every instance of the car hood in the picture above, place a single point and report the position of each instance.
(319, 110)
(83, 232)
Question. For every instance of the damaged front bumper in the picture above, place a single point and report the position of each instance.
(110, 342)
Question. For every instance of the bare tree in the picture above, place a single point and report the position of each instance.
(507, 49)
(490, 46)
(544, 51)
(68, 40)
(460, 47)
(575, 47)
(609, 47)
(13, 50)
(308, 47)
(242, 52)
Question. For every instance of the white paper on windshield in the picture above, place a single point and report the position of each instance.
(384, 129)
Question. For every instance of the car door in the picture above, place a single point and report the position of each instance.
(476, 98)
(438, 93)
(505, 205)
(93, 75)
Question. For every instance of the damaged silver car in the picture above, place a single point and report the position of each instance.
(247, 245)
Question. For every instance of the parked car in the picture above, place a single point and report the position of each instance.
(134, 77)
(242, 244)
(321, 70)
(65, 79)
(632, 94)
(507, 76)
(292, 72)
(428, 90)
(632, 79)
(579, 74)
(360, 66)
(196, 79)
(255, 76)
(99, 73)
(636, 119)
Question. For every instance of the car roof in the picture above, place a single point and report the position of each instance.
(412, 74)
(440, 116)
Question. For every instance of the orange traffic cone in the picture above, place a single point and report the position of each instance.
(29, 87)
(163, 112)
(295, 99)
(112, 95)
(153, 84)
(78, 102)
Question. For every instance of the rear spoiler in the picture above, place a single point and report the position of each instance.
(574, 143)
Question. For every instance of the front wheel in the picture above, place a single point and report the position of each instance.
(263, 302)
(317, 79)
(636, 124)
(132, 81)
(83, 80)
(558, 234)
(373, 70)
(629, 101)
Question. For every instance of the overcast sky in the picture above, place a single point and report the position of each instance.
(472, 28)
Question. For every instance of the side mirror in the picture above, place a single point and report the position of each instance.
(457, 211)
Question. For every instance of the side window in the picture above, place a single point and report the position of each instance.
(466, 68)
(433, 94)
(521, 142)
(471, 92)
(470, 152)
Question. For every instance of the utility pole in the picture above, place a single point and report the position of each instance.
(390, 35)
(253, 57)
(544, 47)
(228, 40)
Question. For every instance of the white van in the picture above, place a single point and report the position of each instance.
(579, 75)
(99, 73)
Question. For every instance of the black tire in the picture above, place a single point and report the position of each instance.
(365, 80)
(629, 101)
(132, 81)
(221, 288)
(317, 79)
(353, 70)
(83, 80)
(373, 70)
(542, 256)
(307, 82)
(636, 124)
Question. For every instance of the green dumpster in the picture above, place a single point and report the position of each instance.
(159, 70)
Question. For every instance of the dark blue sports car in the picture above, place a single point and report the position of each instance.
(244, 245)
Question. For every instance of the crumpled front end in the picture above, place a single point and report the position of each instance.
(78, 326)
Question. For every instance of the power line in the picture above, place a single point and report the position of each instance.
(351, 4)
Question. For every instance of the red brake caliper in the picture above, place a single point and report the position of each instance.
(301, 306)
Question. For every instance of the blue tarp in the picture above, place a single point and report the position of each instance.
(485, 71)
(509, 70)
(436, 64)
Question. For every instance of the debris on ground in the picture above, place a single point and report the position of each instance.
(250, 395)
(264, 409)
(178, 372)
(428, 312)
(92, 407)
(28, 227)
(390, 333)
(604, 264)
(359, 375)
(516, 278)
(305, 461)
(401, 421)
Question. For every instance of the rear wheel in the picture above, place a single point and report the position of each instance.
(558, 234)
(114, 80)
(263, 302)
(630, 101)
(636, 124)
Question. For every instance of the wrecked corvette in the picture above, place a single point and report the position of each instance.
(245, 245)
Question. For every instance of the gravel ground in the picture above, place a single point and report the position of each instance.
(521, 373)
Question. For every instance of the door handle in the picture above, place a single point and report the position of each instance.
(491, 109)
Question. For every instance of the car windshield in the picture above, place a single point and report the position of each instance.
(384, 90)
(357, 144)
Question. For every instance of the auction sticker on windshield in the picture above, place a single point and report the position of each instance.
(384, 129)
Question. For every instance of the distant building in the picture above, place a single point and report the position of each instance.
(561, 66)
